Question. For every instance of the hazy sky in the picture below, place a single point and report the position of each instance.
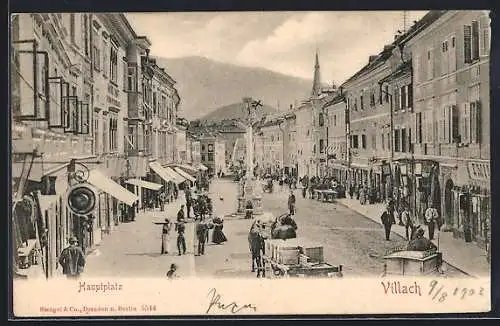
(281, 41)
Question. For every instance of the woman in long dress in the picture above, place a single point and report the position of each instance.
(218, 236)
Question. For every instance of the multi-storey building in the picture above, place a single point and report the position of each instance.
(335, 110)
(84, 109)
(450, 63)
(271, 131)
(290, 166)
(211, 156)
(71, 125)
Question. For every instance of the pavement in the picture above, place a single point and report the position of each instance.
(465, 256)
(133, 248)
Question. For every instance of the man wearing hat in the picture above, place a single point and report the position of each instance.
(72, 259)
(165, 232)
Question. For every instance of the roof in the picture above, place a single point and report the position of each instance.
(386, 53)
(403, 70)
(337, 99)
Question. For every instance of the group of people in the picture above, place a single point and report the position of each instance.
(413, 230)
(323, 183)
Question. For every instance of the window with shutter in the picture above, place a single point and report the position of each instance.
(441, 121)
(402, 102)
(430, 126)
(484, 27)
(397, 98)
(466, 122)
(475, 118)
(444, 58)
(452, 56)
(418, 131)
(430, 65)
(454, 125)
(475, 40)
(467, 44)
(404, 140)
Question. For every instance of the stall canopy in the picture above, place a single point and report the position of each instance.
(162, 172)
(187, 167)
(144, 184)
(106, 184)
(176, 176)
(185, 174)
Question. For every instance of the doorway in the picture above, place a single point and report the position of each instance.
(448, 203)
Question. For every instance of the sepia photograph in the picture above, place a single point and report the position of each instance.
(233, 163)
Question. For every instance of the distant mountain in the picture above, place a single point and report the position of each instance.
(235, 111)
(206, 85)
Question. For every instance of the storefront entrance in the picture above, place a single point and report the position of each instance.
(448, 203)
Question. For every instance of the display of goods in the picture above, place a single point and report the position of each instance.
(303, 259)
(288, 256)
(313, 251)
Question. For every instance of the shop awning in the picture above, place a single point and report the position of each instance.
(184, 174)
(188, 167)
(144, 184)
(177, 178)
(162, 172)
(106, 184)
(359, 165)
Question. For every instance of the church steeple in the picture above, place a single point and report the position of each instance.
(316, 88)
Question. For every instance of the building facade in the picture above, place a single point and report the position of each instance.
(452, 119)
(335, 110)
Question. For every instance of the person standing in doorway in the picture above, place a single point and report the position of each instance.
(181, 241)
(431, 218)
(72, 259)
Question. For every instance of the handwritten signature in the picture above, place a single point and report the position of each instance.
(233, 307)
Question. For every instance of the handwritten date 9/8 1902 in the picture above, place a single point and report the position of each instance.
(233, 307)
(440, 293)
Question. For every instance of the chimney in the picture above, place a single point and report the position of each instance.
(371, 58)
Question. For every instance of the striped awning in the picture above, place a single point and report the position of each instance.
(177, 178)
(162, 172)
(184, 174)
(144, 184)
(106, 184)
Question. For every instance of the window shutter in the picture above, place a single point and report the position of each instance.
(475, 40)
(467, 44)
(397, 99)
(484, 29)
(452, 55)
(410, 97)
(415, 128)
(447, 124)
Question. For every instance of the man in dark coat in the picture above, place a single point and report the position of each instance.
(72, 259)
(387, 221)
(201, 235)
(181, 241)
(291, 203)
(305, 184)
(180, 213)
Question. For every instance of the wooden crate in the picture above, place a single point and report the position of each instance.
(288, 256)
(313, 251)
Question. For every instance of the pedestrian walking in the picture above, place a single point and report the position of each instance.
(218, 236)
(431, 219)
(408, 223)
(291, 202)
(180, 214)
(72, 259)
(181, 241)
(305, 184)
(201, 234)
(172, 271)
(387, 222)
